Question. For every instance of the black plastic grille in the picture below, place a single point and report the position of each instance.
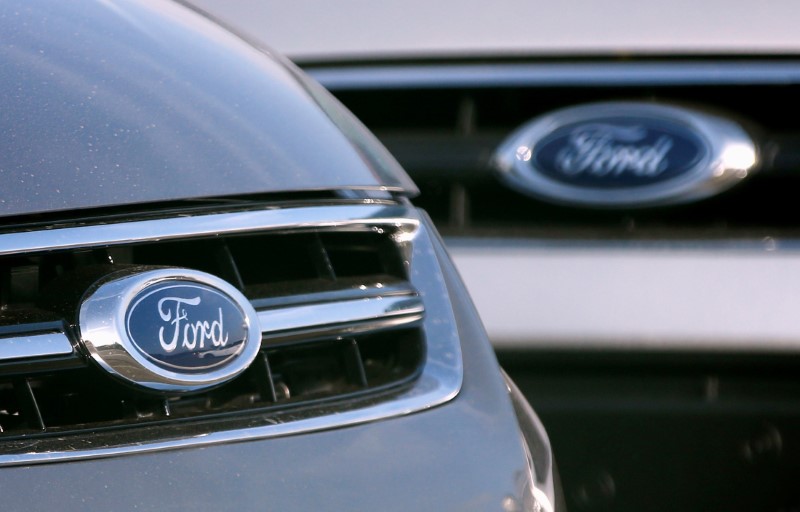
(57, 395)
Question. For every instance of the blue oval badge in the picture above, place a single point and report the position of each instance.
(169, 330)
(186, 327)
(618, 152)
(626, 154)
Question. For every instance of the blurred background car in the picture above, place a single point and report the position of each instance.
(653, 325)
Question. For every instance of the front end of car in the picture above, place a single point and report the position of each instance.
(215, 292)
(616, 183)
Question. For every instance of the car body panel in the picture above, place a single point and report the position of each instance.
(147, 101)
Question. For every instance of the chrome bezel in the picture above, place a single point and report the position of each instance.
(102, 324)
(442, 372)
(724, 143)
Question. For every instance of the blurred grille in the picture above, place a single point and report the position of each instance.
(443, 122)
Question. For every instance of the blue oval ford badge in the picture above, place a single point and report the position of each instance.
(618, 152)
(626, 154)
(169, 330)
(187, 327)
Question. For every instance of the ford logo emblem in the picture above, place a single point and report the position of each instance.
(169, 330)
(186, 327)
(626, 155)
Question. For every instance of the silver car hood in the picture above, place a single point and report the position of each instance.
(139, 101)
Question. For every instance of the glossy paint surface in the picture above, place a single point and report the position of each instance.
(120, 102)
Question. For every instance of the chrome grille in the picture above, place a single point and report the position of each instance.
(339, 295)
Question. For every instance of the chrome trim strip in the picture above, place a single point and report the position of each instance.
(703, 296)
(437, 76)
(311, 218)
(376, 311)
(439, 382)
(34, 345)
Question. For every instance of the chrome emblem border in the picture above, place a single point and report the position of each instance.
(104, 333)
(726, 154)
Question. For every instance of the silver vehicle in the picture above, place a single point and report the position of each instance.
(215, 293)
(615, 182)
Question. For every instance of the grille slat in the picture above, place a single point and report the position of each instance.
(339, 317)
(28, 406)
(263, 378)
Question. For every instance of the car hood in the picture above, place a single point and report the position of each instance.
(308, 30)
(162, 104)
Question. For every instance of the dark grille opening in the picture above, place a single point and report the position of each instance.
(760, 207)
(501, 108)
(56, 395)
(386, 359)
(263, 260)
(23, 284)
(22, 279)
(281, 377)
(316, 370)
(362, 254)
(448, 155)
(398, 109)
(79, 397)
(206, 255)
(262, 266)
(11, 416)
